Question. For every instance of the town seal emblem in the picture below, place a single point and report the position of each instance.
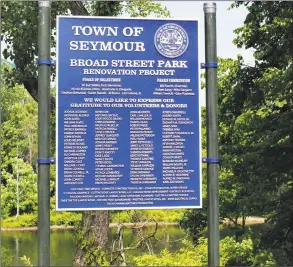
(171, 40)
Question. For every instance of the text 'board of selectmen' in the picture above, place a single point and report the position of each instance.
(128, 114)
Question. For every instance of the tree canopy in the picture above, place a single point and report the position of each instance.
(268, 115)
(20, 29)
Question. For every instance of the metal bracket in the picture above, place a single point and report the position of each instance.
(209, 65)
(46, 62)
(211, 160)
(47, 161)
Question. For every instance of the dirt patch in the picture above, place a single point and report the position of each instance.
(249, 221)
(254, 220)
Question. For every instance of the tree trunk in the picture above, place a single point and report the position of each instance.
(30, 146)
(17, 186)
(243, 223)
(92, 237)
(17, 192)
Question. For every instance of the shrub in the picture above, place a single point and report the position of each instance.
(30, 220)
(186, 256)
(232, 254)
(24, 220)
(6, 258)
(235, 253)
(65, 218)
(143, 215)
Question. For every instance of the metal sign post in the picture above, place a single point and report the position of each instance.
(44, 41)
(212, 133)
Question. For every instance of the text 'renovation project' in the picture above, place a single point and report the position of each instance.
(128, 114)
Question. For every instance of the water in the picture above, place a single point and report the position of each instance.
(63, 247)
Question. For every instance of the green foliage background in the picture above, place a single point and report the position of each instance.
(255, 133)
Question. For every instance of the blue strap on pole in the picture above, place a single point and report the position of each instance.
(209, 65)
(211, 160)
(46, 62)
(47, 161)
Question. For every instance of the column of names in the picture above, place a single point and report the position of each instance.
(141, 148)
(106, 135)
(174, 164)
(75, 148)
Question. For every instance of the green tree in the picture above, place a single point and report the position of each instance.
(20, 35)
(19, 195)
(235, 191)
(237, 182)
(19, 132)
(269, 113)
(195, 221)
(19, 128)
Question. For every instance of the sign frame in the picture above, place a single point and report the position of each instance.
(57, 114)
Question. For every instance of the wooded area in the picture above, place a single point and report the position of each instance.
(255, 135)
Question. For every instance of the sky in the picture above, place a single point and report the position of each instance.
(227, 22)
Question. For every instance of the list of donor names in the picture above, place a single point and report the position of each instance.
(106, 135)
(75, 147)
(100, 146)
(141, 148)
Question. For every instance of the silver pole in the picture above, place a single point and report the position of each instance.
(44, 41)
(212, 134)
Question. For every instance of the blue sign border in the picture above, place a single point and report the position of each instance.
(57, 110)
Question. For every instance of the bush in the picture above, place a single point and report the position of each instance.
(232, 254)
(143, 215)
(186, 256)
(72, 218)
(235, 253)
(6, 257)
(242, 253)
(24, 220)
(30, 220)
(65, 218)
(195, 222)
(264, 258)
